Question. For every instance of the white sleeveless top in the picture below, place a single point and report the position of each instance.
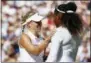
(24, 55)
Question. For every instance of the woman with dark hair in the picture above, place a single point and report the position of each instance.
(66, 40)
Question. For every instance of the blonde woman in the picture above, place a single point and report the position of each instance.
(30, 44)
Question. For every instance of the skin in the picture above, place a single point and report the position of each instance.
(26, 43)
(57, 19)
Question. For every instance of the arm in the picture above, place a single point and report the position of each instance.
(56, 41)
(78, 54)
(26, 43)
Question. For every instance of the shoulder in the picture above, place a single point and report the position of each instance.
(24, 37)
(59, 35)
(62, 31)
(62, 34)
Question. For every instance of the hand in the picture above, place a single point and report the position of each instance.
(51, 34)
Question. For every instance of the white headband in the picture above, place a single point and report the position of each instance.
(69, 11)
(60, 11)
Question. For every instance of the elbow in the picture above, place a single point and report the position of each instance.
(35, 52)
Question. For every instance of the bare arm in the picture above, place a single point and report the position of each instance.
(26, 43)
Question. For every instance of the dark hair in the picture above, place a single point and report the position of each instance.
(72, 21)
(16, 49)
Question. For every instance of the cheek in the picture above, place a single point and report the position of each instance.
(56, 21)
(33, 25)
(29, 25)
(39, 28)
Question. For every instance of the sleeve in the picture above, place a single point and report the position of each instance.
(56, 42)
(79, 51)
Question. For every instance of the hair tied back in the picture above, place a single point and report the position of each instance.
(70, 11)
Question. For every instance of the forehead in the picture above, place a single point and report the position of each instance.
(33, 22)
(36, 22)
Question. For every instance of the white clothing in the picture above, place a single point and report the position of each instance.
(5, 47)
(64, 46)
(81, 54)
(27, 57)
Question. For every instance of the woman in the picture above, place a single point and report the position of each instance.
(30, 44)
(66, 40)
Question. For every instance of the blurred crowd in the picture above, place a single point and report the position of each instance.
(11, 29)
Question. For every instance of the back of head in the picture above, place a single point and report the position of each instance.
(71, 6)
(70, 19)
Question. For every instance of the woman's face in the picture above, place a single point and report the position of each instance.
(57, 20)
(35, 26)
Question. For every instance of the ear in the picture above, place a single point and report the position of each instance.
(58, 17)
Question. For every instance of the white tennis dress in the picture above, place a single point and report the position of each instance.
(64, 46)
(27, 57)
